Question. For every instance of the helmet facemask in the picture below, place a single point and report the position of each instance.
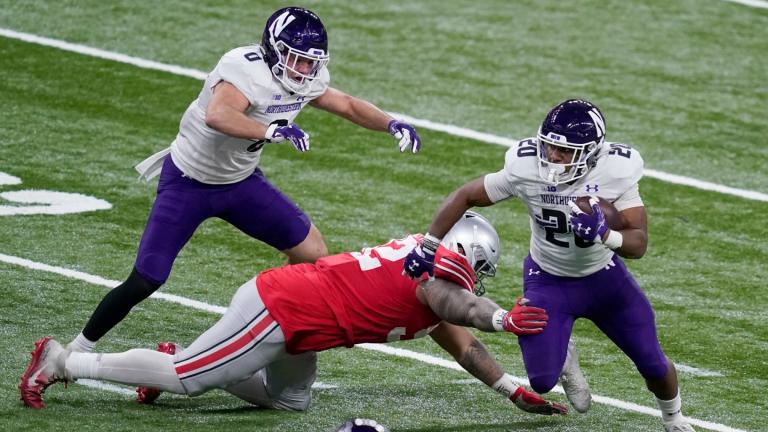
(475, 238)
(291, 62)
(481, 263)
(582, 158)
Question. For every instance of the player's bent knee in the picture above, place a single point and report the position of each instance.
(309, 250)
(300, 403)
(544, 383)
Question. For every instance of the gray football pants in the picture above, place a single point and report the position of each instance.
(244, 354)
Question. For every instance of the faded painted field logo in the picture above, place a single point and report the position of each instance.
(34, 202)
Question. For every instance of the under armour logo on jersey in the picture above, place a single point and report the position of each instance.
(531, 272)
(281, 22)
(592, 188)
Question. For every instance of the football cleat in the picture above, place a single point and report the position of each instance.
(679, 427)
(573, 381)
(45, 368)
(147, 395)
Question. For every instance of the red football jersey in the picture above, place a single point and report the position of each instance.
(355, 297)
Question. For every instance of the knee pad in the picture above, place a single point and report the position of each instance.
(293, 402)
(543, 383)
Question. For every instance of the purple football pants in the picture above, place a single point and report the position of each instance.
(254, 206)
(610, 298)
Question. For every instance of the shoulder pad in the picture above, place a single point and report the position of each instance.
(520, 160)
(622, 161)
(453, 267)
(246, 63)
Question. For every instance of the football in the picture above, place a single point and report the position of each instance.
(612, 216)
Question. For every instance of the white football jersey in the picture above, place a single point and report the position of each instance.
(210, 156)
(553, 245)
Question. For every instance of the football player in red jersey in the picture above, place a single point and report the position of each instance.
(263, 349)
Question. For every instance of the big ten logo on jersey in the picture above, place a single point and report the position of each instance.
(395, 250)
(259, 144)
(34, 202)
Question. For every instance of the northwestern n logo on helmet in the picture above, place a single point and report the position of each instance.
(597, 118)
(281, 22)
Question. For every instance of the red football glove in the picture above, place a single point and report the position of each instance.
(525, 320)
(533, 403)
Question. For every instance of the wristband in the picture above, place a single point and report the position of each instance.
(498, 319)
(505, 386)
(430, 243)
(270, 132)
(614, 240)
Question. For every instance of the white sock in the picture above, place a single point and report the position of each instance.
(139, 367)
(81, 344)
(671, 410)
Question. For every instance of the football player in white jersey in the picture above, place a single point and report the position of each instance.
(250, 98)
(573, 269)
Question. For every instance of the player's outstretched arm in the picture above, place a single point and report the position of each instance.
(470, 194)
(458, 306)
(354, 109)
(472, 355)
(368, 115)
(459, 201)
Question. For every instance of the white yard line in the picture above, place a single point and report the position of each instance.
(399, 352)
(426, 124)
(753, 3)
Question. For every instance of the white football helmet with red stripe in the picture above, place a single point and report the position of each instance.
(474, 237)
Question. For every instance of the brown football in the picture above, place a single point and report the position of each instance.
(612, 216)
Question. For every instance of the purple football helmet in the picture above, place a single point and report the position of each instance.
(569, 141)
(295, 47)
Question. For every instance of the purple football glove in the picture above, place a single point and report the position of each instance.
(421, 259)
(292, 133)
(406, 134)
(590, 227)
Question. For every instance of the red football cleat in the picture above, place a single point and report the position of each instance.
(147, 395)
(44, 369)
